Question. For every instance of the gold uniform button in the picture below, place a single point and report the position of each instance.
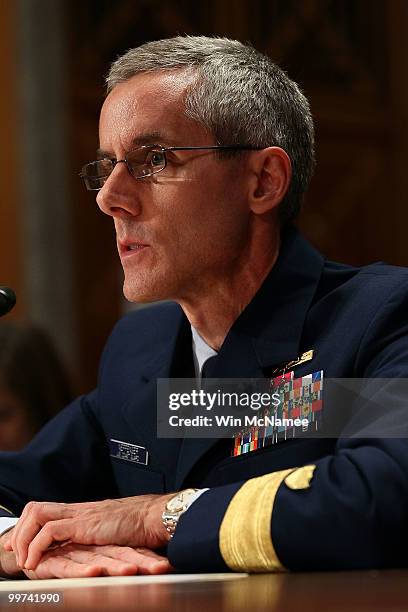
(300, 478)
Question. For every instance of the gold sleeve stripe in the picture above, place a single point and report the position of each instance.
(6, 509)
(245, 534)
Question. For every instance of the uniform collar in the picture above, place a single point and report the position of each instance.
(269, 330)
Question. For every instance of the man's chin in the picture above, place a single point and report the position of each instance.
(141, 295)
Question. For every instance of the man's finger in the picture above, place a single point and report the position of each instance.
(55, 531)
(33, 517)
(31, 509)
(147, 561)
(62, 567)
(109, 565)
(73, 562)
(23, 537)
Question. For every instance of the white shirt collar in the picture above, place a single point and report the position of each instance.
(201, 352)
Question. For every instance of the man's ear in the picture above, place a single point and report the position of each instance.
(271, 172)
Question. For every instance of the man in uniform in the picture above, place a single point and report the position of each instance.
(206, 148)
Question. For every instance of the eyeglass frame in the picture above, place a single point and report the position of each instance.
(160, 149)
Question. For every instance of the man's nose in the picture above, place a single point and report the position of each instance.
(119, 195)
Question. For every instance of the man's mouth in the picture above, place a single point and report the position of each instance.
(129, 248)
(134, 247)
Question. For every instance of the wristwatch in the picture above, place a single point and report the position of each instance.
(176, 506)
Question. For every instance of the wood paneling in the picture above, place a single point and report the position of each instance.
(10, 241)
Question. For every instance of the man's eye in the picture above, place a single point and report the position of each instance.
(155, 159)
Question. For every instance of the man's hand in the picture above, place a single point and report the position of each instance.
(131, 521)
(78, 561)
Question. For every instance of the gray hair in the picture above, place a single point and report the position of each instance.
(239, 94)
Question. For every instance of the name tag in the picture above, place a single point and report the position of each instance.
(128, 452)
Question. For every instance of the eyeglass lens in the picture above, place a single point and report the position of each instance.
(141, 162)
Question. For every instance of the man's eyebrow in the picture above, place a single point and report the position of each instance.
(152, 138)
(149, 138)
(101, 154)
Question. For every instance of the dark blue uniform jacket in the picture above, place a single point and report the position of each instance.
(355, 514)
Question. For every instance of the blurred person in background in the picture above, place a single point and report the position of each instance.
(34, 385)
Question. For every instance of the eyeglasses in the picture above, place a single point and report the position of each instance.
(142, 162)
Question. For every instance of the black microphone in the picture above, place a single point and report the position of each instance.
(7, 300)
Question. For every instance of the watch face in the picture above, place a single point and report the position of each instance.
(177, 503)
